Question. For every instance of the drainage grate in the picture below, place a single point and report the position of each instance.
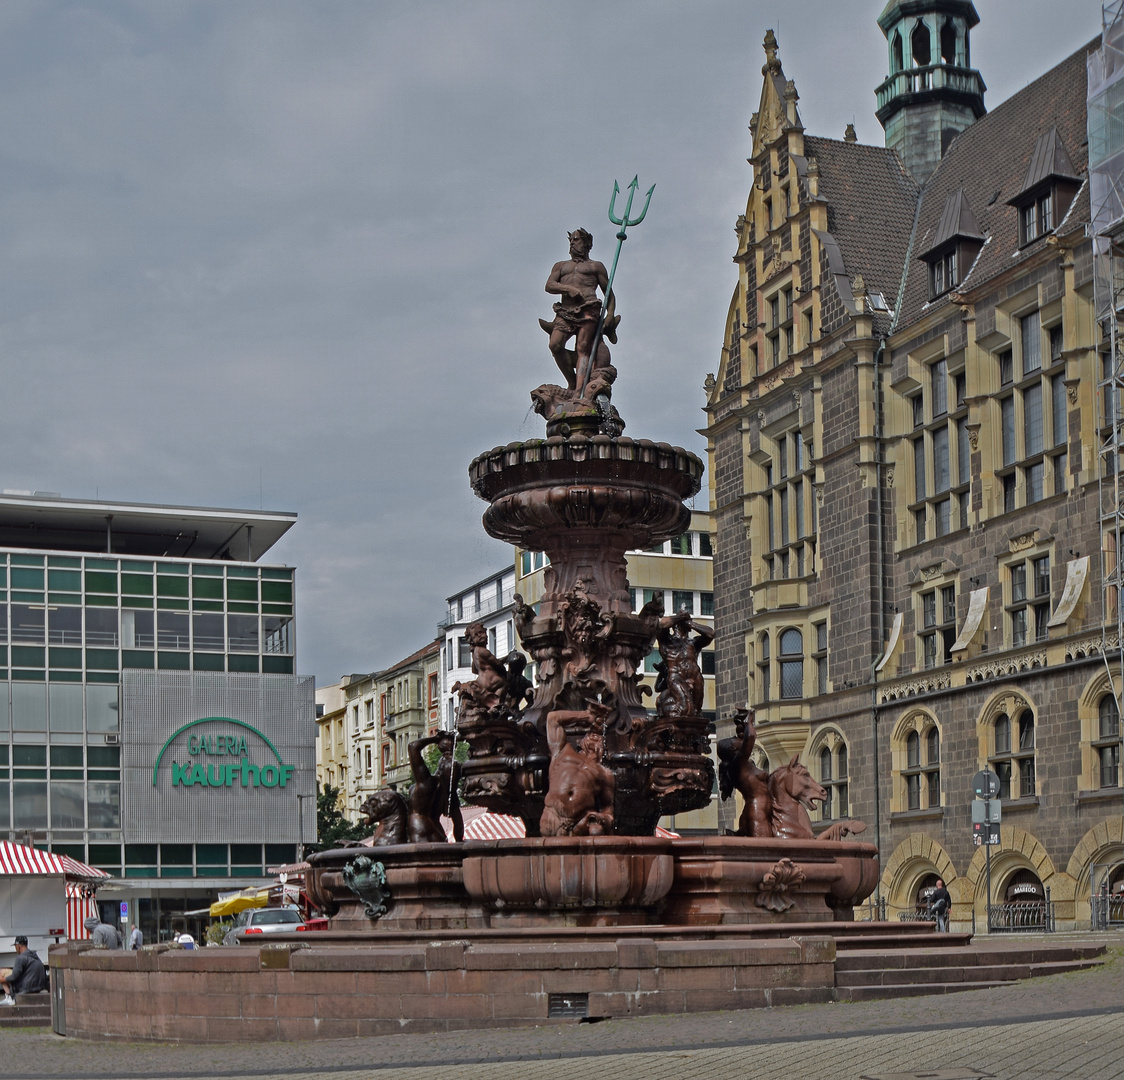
(568, 1005)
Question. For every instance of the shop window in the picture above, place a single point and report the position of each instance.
(1012, 758)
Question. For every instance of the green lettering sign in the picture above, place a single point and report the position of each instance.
(205, 767)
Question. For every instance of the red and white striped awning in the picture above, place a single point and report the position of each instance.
(18, 859)
(489, 826)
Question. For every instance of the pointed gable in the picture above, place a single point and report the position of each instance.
(957, 223)
(1049, 161)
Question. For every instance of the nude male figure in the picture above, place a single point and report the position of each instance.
(682, 692)
(579, 801)
(576, 315)
(434, 794)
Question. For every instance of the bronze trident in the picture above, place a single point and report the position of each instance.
(625, 223)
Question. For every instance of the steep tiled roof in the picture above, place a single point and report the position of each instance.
(865, 184)
(1049, 159)
(990, 161)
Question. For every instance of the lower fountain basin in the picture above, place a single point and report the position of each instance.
(558, 873)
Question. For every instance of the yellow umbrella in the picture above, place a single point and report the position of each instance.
(247, 898)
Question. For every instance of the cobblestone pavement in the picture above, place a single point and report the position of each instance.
(1062, 1026)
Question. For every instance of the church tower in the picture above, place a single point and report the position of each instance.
(932, 93)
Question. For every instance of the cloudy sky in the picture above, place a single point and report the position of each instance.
(293, 254)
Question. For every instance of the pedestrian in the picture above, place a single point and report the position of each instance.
(102, 933)
(940, 904)
(27, 976)
(136, 938)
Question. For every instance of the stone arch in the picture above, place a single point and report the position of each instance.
(1009, 701)
(913, 859)
(1103, 843)
(1017, 850)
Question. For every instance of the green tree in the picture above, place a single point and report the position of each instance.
(332, 828)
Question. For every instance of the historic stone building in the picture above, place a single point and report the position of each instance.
(904, 443)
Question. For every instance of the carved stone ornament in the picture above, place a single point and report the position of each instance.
(974, 436)
(367, 879)
(930, 572)
(785, 877)
(890, 477)
(1071, 386)
(1021, 543)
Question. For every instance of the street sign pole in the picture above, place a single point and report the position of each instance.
(987, 856)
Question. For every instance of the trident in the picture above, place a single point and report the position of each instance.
(625, 222)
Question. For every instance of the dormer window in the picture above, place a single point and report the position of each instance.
(956, 243)
(1036, 218)
(1047, 190)
(942, 274)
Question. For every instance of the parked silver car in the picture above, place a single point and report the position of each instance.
(270, 920)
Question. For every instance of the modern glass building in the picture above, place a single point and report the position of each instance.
(139, 646)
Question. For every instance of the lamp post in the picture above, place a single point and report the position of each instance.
(300, 825)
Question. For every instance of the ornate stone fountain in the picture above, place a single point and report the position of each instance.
(585, 761)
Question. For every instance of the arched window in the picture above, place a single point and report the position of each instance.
(1107, 744)
(833, 777)
(922, 772)
(896, 60)
(792, 664)
(919, 43)
(1012, 758)
(948, 42)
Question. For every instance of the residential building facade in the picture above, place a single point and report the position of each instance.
(905, 435)
(487, 602)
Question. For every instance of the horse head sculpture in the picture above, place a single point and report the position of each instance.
(794, 792)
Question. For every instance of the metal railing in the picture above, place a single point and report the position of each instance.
(1106, 912)
(1022, 917)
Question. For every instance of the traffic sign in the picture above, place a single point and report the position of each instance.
(985, 784)
(987, 813)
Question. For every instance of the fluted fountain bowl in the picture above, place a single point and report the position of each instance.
(542, 488)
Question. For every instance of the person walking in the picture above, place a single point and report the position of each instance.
(940, 904)
(136, 938)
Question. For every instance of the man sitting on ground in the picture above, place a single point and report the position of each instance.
(28, 976)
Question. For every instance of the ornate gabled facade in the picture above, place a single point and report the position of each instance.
(904, 437)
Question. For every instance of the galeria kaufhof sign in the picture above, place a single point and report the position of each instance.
(223, 752)
(213, 758)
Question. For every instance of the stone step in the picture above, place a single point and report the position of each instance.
(37, 1015)
(991, 973)
(848, 959)
(876, 993)
(912, 940)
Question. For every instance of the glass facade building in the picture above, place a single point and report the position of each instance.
(75, 623)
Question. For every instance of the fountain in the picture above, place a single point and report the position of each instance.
(580, 758)
(589, 914)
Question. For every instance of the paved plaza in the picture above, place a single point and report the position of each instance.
(1061, 1026)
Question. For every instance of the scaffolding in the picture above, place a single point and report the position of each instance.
(1105, 111)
